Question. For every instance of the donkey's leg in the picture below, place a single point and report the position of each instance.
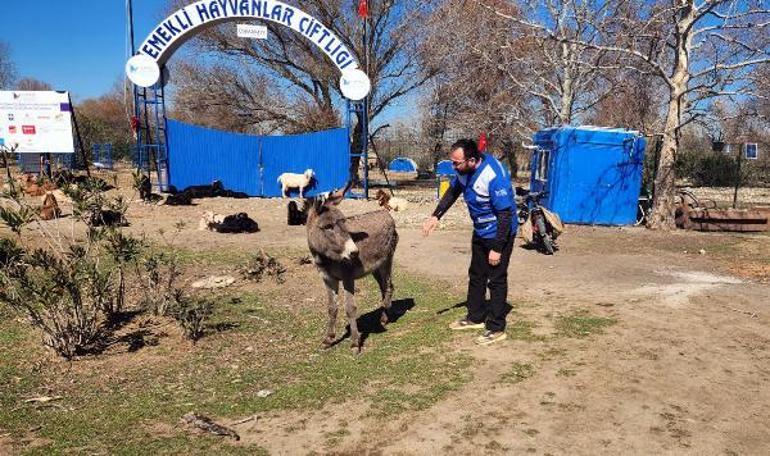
(332, 292)
(383, 276)
(352, 313)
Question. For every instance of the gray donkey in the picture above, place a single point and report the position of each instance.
(347, 248)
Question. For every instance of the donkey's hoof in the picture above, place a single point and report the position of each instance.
(329, 341)
(356, 350)
(384, 318)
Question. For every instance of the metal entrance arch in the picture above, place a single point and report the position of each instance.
(150, 120)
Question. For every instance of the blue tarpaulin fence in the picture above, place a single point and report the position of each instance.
(251, 164)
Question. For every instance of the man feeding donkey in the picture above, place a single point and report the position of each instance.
(486, 187)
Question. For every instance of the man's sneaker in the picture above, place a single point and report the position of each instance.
(464, 323)
(490, 337)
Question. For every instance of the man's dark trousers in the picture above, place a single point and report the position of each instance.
(481, 275)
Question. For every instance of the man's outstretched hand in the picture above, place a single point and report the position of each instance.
(429, 225)
(494, 258)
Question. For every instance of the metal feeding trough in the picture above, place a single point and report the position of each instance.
(692, 215)
(744, 220)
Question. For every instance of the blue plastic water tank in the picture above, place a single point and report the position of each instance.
(593, 175)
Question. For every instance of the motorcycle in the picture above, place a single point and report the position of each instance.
(539, 226)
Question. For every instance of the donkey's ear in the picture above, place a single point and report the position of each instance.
(316, 204)
(336, 197)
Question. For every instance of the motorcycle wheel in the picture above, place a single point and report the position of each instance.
(545, 238)
(522, 214)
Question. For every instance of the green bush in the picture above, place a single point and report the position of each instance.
(714, 170)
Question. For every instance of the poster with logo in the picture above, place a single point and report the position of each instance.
(36, 122)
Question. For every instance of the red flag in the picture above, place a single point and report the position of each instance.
(483, 142)
(363, 9)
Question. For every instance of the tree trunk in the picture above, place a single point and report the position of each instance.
(663, 200)
(567, 85)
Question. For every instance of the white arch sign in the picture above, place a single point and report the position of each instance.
(143, 68)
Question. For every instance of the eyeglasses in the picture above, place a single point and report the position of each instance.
(458, 163)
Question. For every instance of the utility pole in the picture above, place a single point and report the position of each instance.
(737, 176)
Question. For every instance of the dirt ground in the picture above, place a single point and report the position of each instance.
(685, 369)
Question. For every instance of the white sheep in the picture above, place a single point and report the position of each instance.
(292, 180)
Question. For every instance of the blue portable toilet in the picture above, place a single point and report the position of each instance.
(592, 174)
(402, 165)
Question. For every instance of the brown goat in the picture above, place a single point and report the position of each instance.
(347, 248)
(389, 202)
(50, 209)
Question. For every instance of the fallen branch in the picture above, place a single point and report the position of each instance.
(207, 424)
(43, 399)
(245, 420)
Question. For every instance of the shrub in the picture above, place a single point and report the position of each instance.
(158, 273)
(190, 313)
(123, 251)
(714, 170)
(61, 295)
(261, 264)
(66, 290)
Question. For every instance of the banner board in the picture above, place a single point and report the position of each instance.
(36, 121)
(258, 32)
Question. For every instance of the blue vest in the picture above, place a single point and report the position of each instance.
(487, 191)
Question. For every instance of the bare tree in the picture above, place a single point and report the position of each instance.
(634, 102)
(7, 68)
(218, 96)
(698, 50)
(106, 119)
(565, 78)
(472, 91)
(33, 84)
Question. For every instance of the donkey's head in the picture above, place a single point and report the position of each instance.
(326, 231)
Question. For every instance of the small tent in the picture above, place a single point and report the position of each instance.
(402, 165)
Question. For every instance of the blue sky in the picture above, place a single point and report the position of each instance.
(75, 45)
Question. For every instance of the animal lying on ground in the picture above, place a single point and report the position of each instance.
(391, 203)
(33, 186)
(236, 223)
(208, 219)
(107, 217)
(215, 189)
(291, 180)
(50, 209)
(296, 215)
(347, 248)
(178, 199)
